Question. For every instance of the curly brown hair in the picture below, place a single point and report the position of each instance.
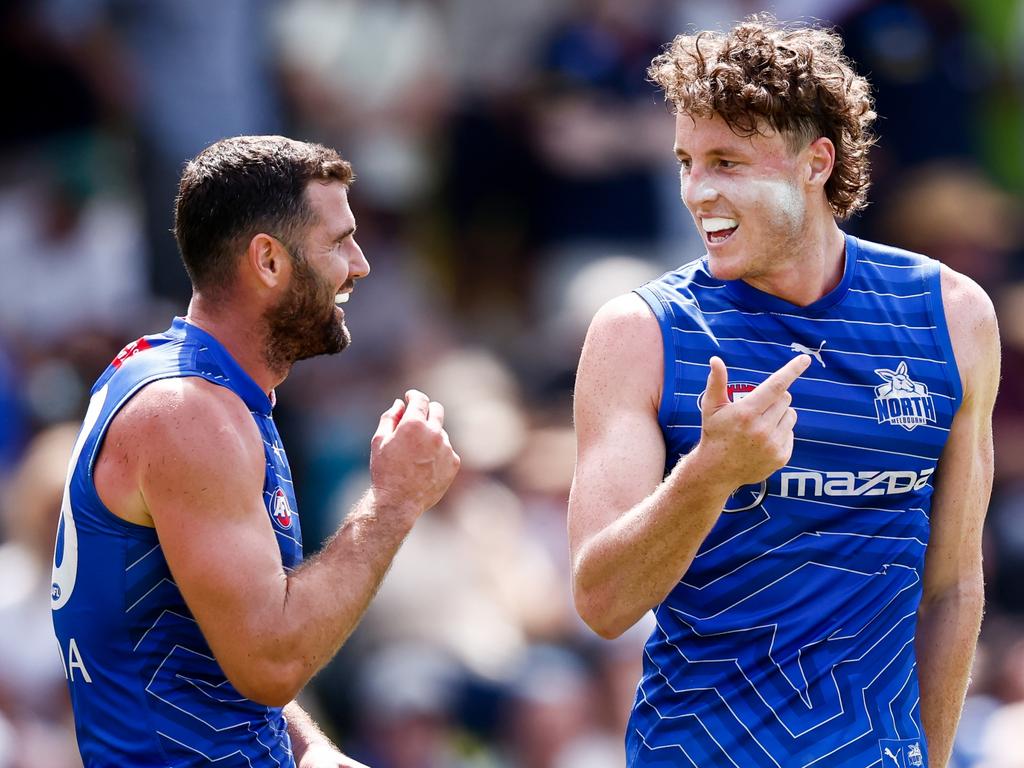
(794, 80)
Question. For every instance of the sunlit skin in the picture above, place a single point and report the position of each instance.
(330, 246)
(787, 242)
(304, 321)
(267, 282)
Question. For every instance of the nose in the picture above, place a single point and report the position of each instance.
(358, 266)
(696, 188)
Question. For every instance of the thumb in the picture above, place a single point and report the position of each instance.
(717, 392)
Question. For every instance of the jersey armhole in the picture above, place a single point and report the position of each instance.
(938, 313)
(101, 435)
(663, 314)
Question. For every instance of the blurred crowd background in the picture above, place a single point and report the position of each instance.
(515, 171)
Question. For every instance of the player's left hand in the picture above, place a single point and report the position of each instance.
(323, 755)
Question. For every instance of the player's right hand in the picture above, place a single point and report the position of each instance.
(412, 462)
(744, 442)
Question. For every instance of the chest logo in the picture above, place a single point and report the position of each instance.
(903, 401)
(282, 511)
(799, 348)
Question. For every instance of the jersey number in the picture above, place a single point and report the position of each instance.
(65, 554)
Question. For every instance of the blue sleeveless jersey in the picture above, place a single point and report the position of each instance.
(145, 687)
(790, 639)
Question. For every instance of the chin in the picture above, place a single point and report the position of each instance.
(725, 268)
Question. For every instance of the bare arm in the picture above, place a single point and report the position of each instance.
(311, 748)
(949, 616)
(633, 535)
(197, 461)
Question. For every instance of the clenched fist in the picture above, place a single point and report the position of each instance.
(412, 462)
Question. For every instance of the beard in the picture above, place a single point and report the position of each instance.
(305, 323)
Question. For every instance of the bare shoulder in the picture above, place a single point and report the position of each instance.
(622, 355)
(188, 422)
(974, 332)
(627, 311)
(624, 329)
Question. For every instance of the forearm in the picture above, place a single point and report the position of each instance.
(628, 567)
(947, 633)
(303, 732)
(319, 605)
(327, 596)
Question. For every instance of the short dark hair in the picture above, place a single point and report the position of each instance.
(794, 79)
(239, 187)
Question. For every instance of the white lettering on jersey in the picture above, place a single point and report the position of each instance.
(65, 572)
(74, 662)
(864, 483)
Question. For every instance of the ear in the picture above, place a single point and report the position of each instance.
(267, 261)
(821, 159)
(886, 374)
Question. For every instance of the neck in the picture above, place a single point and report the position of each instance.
(808, 267)
(241, 332)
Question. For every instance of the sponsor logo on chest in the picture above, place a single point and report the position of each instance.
(888, 482)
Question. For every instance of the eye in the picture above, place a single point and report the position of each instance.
(727, 164)
(684, 163)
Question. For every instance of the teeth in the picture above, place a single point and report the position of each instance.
(341, 298)
(717, 225)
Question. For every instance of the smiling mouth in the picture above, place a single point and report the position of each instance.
(341, 298)
(718, 230)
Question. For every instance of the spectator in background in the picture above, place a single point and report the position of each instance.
(920, 57)
(599, 128)
(372, 76)
(186, 73)
(12, 421)
(58, 221)
(33, 693)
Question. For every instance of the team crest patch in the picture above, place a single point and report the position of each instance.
(282, 511)
(901, 753)
(746, 497)
(139, 345)
(903, 401)
(737, 391)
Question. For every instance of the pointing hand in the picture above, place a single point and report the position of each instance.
(748, 440)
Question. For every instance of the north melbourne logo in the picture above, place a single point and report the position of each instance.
(903, 401)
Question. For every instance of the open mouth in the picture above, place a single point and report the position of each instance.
(341, 298)
(718, 230)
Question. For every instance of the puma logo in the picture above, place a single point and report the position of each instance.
(796, 346)
(889, 754)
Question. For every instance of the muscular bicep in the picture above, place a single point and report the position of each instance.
(620, 448)
(964, 478)
(201, 478)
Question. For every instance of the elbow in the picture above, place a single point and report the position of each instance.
(599, 613)
(272, 684)
(602, 600)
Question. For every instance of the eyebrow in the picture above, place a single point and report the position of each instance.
(716, 152)
(350, 231)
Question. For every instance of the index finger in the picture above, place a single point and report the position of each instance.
(771, 389)
(418, 405)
